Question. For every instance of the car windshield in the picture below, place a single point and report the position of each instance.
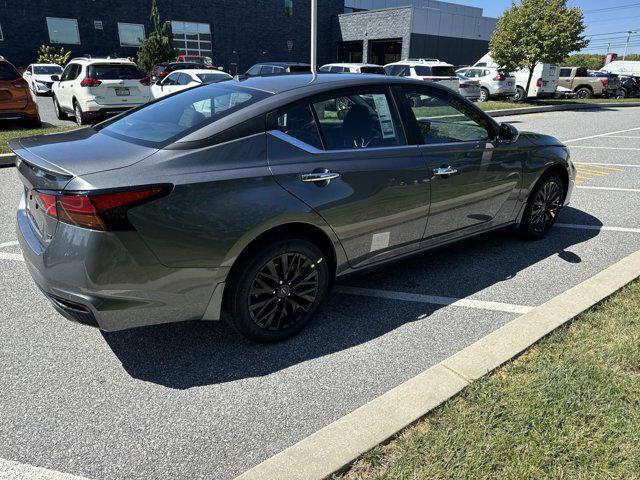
(212, 77)
(114, 72)
(8, 72)
(377, 70)
(47, 70)
(164, 121)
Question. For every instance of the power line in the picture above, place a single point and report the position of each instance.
(608, 33)
(608, 9)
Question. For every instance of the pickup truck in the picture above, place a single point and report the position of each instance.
(578, 80)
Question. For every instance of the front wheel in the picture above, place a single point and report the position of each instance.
(520, 95)
(543, 206)
(276, 292)
(484, 95)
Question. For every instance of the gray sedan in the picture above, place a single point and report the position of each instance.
(245, 199)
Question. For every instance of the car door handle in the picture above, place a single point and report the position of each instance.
(443, 171)
(319, 176)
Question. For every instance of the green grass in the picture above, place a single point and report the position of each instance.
(569, 407)
(6, 135)
(501, 105)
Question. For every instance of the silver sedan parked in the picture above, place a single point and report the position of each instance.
(493, 82)
(245, 199)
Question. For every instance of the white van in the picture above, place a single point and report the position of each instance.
(623, 67)
(543, 82)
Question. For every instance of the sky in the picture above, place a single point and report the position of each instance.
(607, 21)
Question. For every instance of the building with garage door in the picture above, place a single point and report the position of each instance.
(236, 34)
(385, 31)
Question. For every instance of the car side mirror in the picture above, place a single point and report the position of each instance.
(159, 82)
(507, 133)
(55, 78)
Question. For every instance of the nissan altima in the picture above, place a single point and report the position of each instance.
(245, 199)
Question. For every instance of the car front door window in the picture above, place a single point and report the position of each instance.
(359, 120)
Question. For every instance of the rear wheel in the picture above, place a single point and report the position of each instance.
(34, 122)
(60, 114)
(276, 292)
(622, 93)
(79, 114)
(484, 95)
(543, 206)
(520, 95)
(584, 93)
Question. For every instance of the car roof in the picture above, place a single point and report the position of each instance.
(201, 70)
(426, 62)
(286, 89)
(346, 64)
(283, 64)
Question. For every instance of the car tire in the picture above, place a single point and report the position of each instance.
(274, 293)
(484, 95)
(34, 122)
(60, 114)
(584, 93)
(520, 95)
(78, 114)
(622, 93)
(543, 206)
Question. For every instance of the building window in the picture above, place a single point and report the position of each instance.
(97, 24)
(131, 34)
(1, 35)
(192, 38)
(288, 8)
(63, 30)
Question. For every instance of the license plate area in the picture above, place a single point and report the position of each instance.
(122, 92)
(35, 211)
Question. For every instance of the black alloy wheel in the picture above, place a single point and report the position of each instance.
(283, 291)
(543, 207)
(274, 293)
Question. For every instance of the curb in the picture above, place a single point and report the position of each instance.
(7, 160)
(558, 108)
(334, 447)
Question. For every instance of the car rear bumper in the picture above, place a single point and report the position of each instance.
(26, 114)
(112, 280)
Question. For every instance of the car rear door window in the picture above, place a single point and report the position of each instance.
(565, 72)
(171, 79)
(359, 120)
(298, 121)
(442, 118)
(184, 79)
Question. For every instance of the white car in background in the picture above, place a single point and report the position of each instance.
(183, 79)
(428, 69)
(493, 82)
(38, 76)
(468, 88)
(353, 68)
(92, 88)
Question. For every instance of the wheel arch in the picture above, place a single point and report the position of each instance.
(558, 168)
(587, 86)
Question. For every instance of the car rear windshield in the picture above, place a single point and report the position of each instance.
(47, 70)
(378, 70)
(8, 71)
(160, 123)
(114, 72)
(435, 71)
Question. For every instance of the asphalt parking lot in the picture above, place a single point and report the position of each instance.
(194, 400)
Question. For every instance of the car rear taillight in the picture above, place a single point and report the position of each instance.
(465, 85)
(20, 83)
(90, 82)
(99, 211)
(539, 82)
(498, 78)
(146, 80)
(604, 81)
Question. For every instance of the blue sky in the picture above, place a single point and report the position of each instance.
(605, 21)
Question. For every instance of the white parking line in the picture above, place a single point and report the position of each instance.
(615, 189)
(605, 148)
(602, 135)
(621, 136)
(598, 227)
(11, 470)
(608, 164)
(435, 300)
(11, 256)
(9, 244)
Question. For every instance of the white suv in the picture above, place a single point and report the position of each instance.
(352, 68)
(92, 88)
(429, 69)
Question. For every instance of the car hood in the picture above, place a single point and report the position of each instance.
(42, 78)
(79, 152)
(540, 139)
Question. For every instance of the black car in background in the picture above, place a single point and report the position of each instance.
(630, 85)
(277, 68)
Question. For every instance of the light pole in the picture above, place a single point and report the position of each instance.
(314, 36)
(626, 45)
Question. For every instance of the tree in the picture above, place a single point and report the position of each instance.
(537, 31)
(157, 48)
(48, 54)
(593, 61)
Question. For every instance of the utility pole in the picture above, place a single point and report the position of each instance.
(626, 45)
(314, 36)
